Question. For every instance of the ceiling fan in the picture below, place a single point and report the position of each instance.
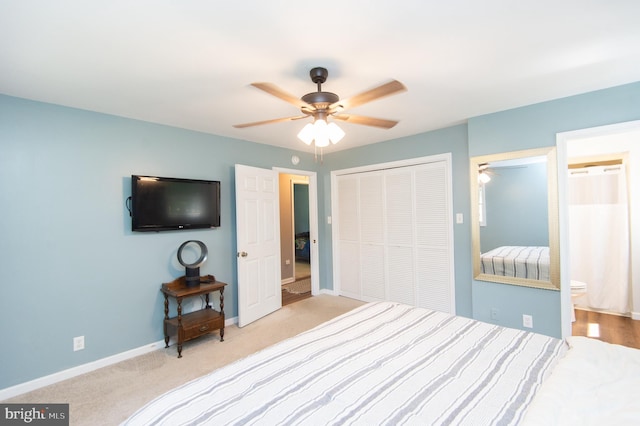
(321, 105)
(484, 173)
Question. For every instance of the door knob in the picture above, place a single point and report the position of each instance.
(242, 254)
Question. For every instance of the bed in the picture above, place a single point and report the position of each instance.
(517, 261)
(389, 363)
(595, 383)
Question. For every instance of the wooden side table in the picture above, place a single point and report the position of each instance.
(197, 323)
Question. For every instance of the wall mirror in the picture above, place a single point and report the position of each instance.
(514, 212)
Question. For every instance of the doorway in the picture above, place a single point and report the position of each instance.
(301, 242)
(298, 235)
(620, 141)
(599, 235)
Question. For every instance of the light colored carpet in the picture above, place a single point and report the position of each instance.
(298, 287)
(109, 395)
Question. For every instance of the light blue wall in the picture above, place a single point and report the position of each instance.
(529, 127)
(516, 208)
(69, 263)
(453, 140)
(70, 266)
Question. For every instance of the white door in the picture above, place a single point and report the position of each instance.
(258, 242)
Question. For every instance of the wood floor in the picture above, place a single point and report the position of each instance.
(288, 298)
(608, 328)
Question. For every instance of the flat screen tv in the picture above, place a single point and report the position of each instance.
(163, 204)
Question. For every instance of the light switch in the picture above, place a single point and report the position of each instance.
(459, 218)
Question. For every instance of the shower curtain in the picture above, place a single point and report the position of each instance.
(599, 236)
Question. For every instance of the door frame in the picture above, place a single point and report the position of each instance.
(563, 140)
(313, 223)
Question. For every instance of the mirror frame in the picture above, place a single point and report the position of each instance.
(554, 237)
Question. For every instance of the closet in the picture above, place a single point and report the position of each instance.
(393, 233)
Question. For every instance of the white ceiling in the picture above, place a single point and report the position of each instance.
(189, 63)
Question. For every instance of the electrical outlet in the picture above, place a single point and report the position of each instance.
(527, 321)
(287, 262)
(494, 313)
(78, 343)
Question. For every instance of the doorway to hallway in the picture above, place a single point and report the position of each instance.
(298, 224)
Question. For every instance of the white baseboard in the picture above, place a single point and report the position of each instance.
(635, 315)
(41, 382)
(76, 371)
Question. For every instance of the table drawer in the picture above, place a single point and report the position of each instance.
(195, 324)
(194, 330)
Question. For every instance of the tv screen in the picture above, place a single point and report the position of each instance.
(162, 204)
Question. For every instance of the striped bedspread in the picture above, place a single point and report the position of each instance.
(517, 261)
(382, 363)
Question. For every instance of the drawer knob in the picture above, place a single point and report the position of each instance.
(204, 328)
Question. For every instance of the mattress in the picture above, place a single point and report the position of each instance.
(517, 261)
(382, 363)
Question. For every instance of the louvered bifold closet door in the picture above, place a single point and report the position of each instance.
(433, 239)
(400, 225)
(394, 236)
(372, 245)
(349, 236)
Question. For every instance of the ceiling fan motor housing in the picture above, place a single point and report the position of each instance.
(316, 98)
(320, 100)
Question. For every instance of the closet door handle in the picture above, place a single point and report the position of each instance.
(243, 254)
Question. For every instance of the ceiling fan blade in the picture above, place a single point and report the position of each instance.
(367, 121)
(274, 90)
(275, 120)
(390, 88)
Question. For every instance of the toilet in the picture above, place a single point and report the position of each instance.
(578, 288)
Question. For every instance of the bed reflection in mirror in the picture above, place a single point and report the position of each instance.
(514, 203)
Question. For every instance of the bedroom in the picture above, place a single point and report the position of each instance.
(77, 163)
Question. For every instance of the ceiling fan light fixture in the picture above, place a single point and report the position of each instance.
(483, 176)
(306, 135)
(321, 133)
(335, 133)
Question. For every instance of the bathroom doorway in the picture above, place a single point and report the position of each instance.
(617, 141)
